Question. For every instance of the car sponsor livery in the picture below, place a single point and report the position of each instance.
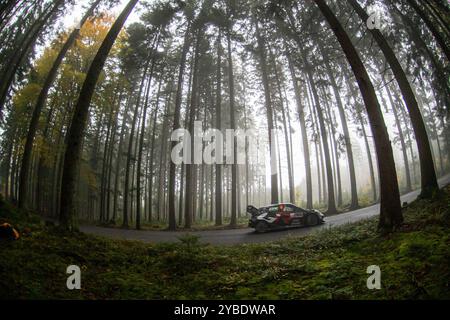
(284, 215)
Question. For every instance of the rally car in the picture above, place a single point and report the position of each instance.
(282, 216)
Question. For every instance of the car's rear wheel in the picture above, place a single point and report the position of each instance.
(312, 220)
(261, 227)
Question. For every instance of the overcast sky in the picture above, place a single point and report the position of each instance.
(77, 11)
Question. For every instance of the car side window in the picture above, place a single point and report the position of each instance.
(298, 210)
(273, 211)
(289, 209)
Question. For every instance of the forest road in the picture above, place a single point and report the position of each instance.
(241, 236)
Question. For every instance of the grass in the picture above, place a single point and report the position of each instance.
(331, 264)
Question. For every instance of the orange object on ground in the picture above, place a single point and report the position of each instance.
(8, 232)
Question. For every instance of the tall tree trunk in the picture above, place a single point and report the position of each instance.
(324, 135)
(302, 120)
(141, 140)
(286, 134)
(429, 181)
(139, 159)
(163, 154)
(110, 162)
(335, 152)
(103, 177)
(348, 144)
(219, 168)
(161, 175)
(369, 154)
(183, 165)
(152, 146)
(402, 140)
(269, 113)
(33, 127)
(211, 185)
(317, 147)
(305, 142)
(123, 131)
(126, 191)
(247, 165)
(191, 175)
(278, 154)
(234, 177)
(390, 208)
(78, 125)
(176, 126)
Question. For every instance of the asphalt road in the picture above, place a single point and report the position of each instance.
(240, 236)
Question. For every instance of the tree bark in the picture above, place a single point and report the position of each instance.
(79, 121)
(126, 190)
(286, 134)
(176, 126)
(428, 173)
(390, 207)
(234, 177)
(348, 144)
(402, 141)
(33, 127)
(141, 140)
(219, 168)
(269, 112)
(324, 135)
(305, 142)
(191, 183)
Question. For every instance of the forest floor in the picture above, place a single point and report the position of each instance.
(329, 264)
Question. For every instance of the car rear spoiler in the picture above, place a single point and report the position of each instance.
(253, 211)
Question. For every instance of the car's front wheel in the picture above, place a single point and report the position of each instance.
(261, 227)
(312, 220)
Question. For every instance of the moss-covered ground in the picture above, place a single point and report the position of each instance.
(330, 264)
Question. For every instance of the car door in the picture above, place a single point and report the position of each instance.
(286, 212)
(272, 215)
(299, 216)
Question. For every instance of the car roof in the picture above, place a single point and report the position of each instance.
(280, 204)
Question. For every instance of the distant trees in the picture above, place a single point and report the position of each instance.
(305, 143)
(347, 140)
